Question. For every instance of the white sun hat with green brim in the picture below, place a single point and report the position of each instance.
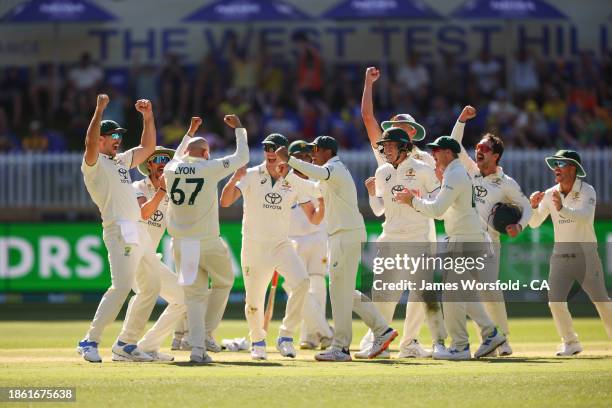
(569, 156)
(142, 167)
(405, 118)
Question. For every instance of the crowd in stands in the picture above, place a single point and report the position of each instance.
(544, 103)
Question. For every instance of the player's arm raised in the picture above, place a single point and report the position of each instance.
(230, 192)
(224, 166)
(148, 138)
(468, 112)
(367, 106)
(93, 131)
(312, 171)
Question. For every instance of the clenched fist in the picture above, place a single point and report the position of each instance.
(372, 74)
(232, 121)
(370, 184)
(144, 106)
(102, 101)
(469, 112)
(195, 124)
(536, 198)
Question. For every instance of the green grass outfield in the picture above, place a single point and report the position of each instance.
(40, 353)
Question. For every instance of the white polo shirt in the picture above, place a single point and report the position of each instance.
(403, 221)
(110, 187)
(339, 194)
(191, 183)
(575, 221)
(157, 222)
(267, 205)
(454, 203)
(492, 189)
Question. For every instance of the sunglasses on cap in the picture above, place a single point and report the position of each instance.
(484, 147)
(160, 159)
(559, 163)
(268, 147)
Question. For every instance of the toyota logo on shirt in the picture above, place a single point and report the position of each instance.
(157, 216)
(273, 198)
(480, 191)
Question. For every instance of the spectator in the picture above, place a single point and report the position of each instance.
(531, 127)
(413, 76)
(502, 113)
(174, 85)
(13, 94)
(45, 91)
(8, 140)
(486, 72)
(309, 68)
(86, 76)
(36, 141)
(282, 122)
(524, 74)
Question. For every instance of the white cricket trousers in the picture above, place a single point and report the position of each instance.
(259, 261)
(131, 266)
(458, 306)
(312, 250)
(582, 265)
(344, 254)
(494, 303)
(215, 263)
(417, 311)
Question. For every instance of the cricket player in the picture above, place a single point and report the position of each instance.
(571, 206)
(107, 178)
(346, 232)
(308, 233)
(193, 223)
(268, 197)
(400, 227)
(492, 186)
(454, 203)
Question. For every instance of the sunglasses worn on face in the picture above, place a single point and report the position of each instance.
(269, 148)
(559, 163)
(115, 136)
(159, 159)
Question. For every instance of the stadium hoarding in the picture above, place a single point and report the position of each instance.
(71, 257)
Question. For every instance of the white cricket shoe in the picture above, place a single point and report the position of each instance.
(453, 354)
(158, 356)
(129, 352)
(334, 355)
(569, 349)
(492, 342)
(176, 343)
(89, 351)
(284, 345)
(364, 354)
(258, 351)
(414, 350)
(185, 345)
(212, 345)
(381, 343)
(505, 349)
(199, 355)
(325, 342)
(438, 347)
(366, 340)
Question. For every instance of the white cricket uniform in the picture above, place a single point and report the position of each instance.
(170, 291)
(310, 243)
(128, 244)
(266, 248)
(346, 231)
(404, 224)
(488, 191)
(575, 255)
(454, 204)
(193, 223)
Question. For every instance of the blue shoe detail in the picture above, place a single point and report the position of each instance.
(455, 351)
(260, 343)
(87, 343)
(281, 340)
(129, 348)
(490, 337)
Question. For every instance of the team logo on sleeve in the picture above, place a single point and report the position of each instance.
(226, 163)
(272, 201)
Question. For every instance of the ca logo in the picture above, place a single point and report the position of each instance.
(480, 191)
(123, 172)
(157, 216)
(273, 198)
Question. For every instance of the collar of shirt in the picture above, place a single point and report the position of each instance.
(333, 160)
(108, 157)
(577, 186)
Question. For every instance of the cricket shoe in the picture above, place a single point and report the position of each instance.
(334, 355)
(258, 351)
(89, 351)
(176, 343)
(284, 345)
(381, 343)
(325, 342)
(366, 340)
(185, 345)
(414, 350)
(492, 342)
(212, 345)
(453, 354)
(569, 349)
(129, 352)
(505, 349)
(438, 347)
(157, 356)
(199, 355)
(364, 354)
(307, 345)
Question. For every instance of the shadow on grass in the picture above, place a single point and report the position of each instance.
(541, 360)
(227, 363)
(398, 362)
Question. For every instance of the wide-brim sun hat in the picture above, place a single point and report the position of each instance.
(570, 156)
(405, 118)
(142, 167)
